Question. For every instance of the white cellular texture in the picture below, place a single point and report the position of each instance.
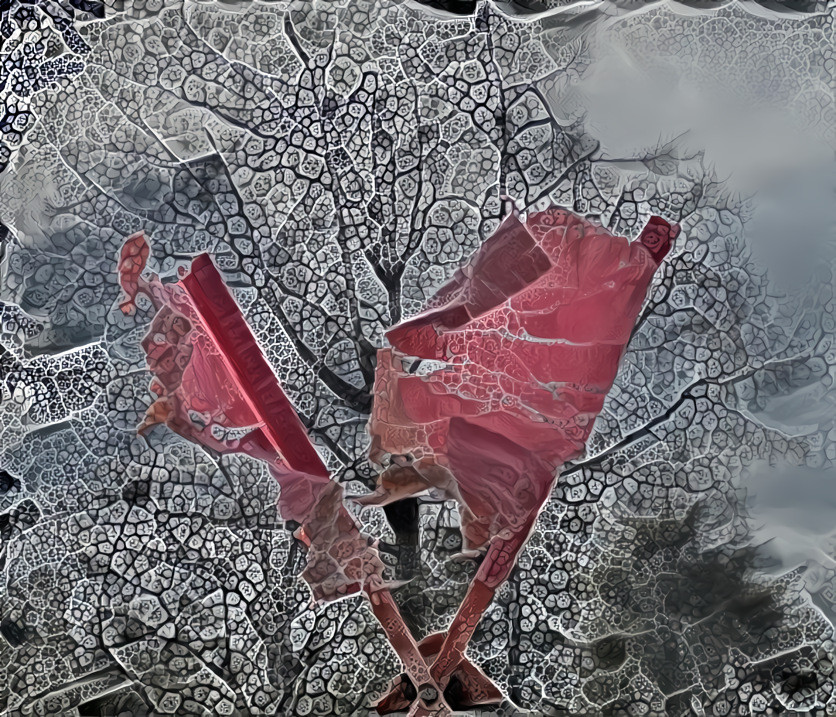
(340, 159)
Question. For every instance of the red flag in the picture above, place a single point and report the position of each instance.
(216, 389)
(483, 397)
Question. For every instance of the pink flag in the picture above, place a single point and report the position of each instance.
(216, 389)
(483, 397)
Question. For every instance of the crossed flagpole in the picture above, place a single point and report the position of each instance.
(471, 429)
